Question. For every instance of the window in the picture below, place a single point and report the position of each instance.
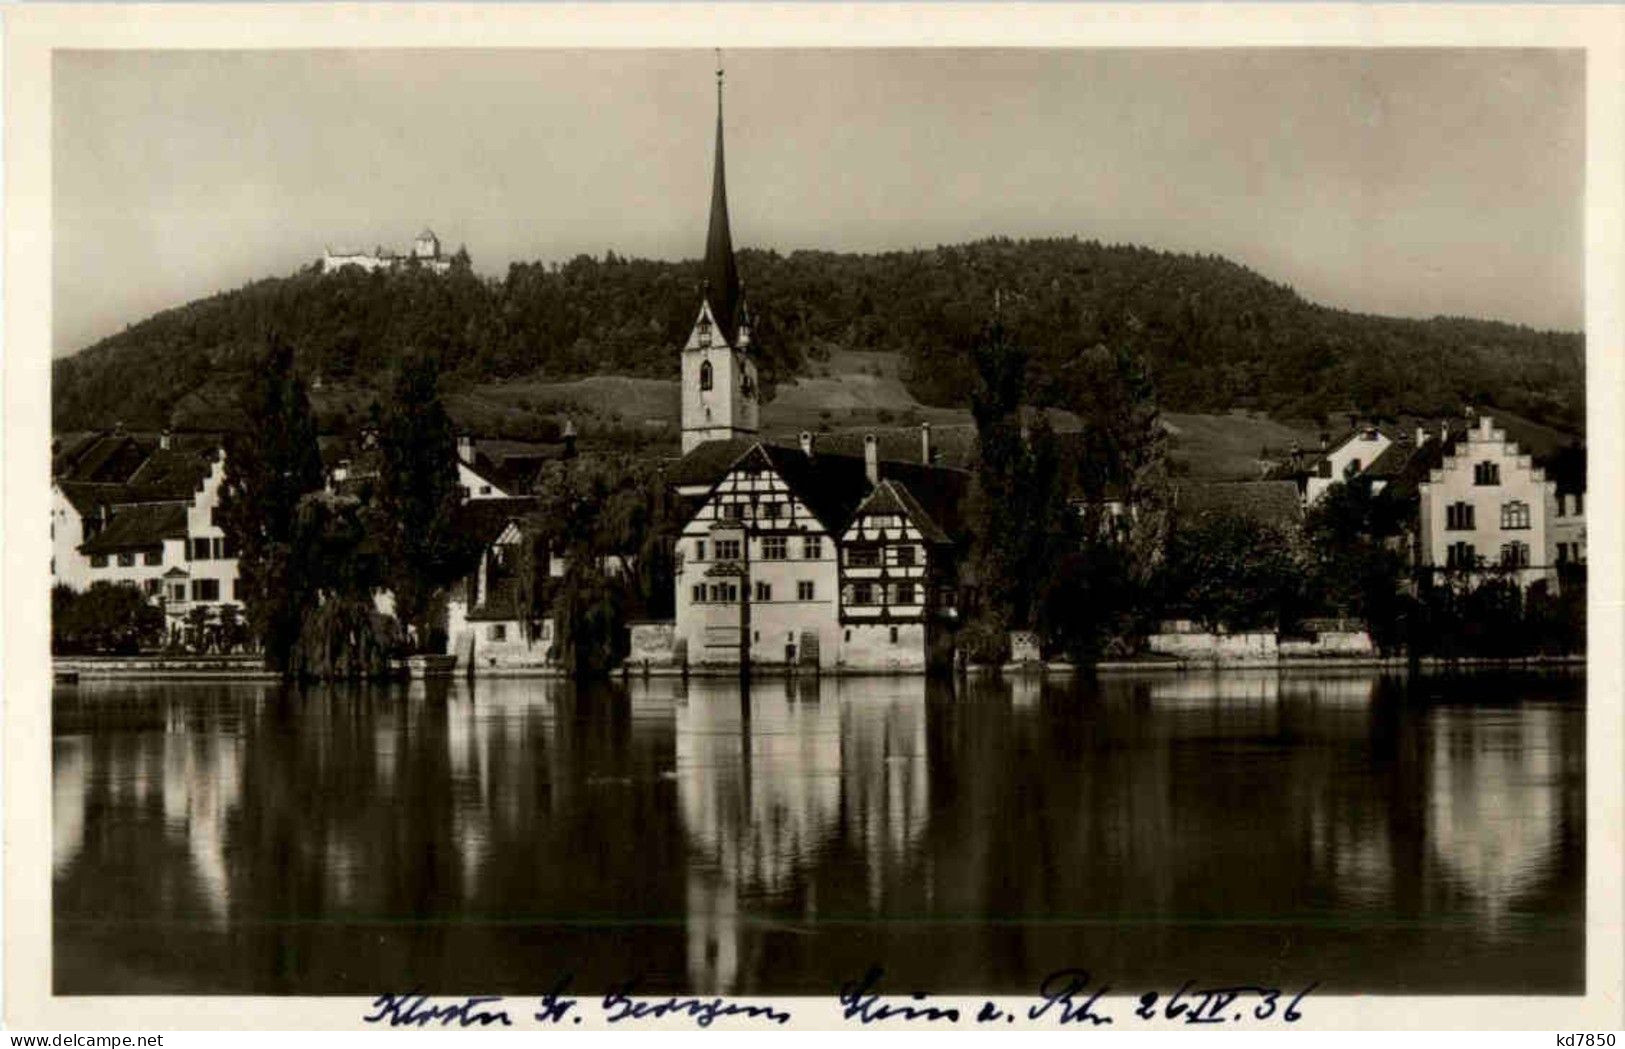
(1486, 473)
(98, 560)
(727, 549)
(153, 557)
(770, 511)
(149, 587)
(498, 632)
(733, 511)
(774, 548)
(705, 367)
(905, 593)
(126, 558)
(698, 593)
(804, 590)
(863, 594)
(699, 549)
(728, 592)
(863, 557)
(177, 592)
(812, 547)
(1579, 503)
(1515, 555)
(894, 635)
(1515, 514)
(1458, 517)
(205, 590)
(236, 589)
(905, 556)
(764, 591)
(1461, 555)
(200, 549)
(218, 546)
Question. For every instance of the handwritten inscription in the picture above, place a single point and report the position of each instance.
(417, 1010)
(1066, 997)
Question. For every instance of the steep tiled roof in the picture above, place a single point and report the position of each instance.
(892, 497)
(1392, 460)
(1265, 502)
(138, 528)
(482, 521)
(951, 445)
(107, 459)
(833, 485)
(170, 474)
(707, 462)
(86, 497)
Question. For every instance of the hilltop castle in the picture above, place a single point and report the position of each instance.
(425, 253)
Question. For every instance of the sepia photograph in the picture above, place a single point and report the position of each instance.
(664, 533)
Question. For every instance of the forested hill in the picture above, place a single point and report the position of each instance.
(1216, 335)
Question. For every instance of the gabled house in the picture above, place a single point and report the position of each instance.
(142, 510)
(807, 558)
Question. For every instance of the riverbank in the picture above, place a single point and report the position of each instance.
(249, 668)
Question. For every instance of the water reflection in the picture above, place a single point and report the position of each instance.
(1370, 832)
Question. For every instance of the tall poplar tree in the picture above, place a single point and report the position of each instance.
(418, 498)
(271, 462)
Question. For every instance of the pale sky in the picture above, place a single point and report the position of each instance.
(1403, 182)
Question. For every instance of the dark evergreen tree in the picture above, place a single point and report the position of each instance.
(271, 463)
(417, 499)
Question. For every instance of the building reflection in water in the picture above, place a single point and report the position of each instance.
(807, 772)
(1425, 834)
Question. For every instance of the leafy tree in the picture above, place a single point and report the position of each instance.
(1232, 573)
(1353, 566)
(614, 525)
(342, 634)
(108, 617)
(1000, 533)
(233, 633)
(197, 627)
(418, 498)
(270, 465)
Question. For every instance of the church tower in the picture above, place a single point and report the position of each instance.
(719, 376)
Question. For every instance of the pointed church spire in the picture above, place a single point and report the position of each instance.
(721, 273)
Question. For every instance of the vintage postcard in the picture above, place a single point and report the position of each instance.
(744, 517)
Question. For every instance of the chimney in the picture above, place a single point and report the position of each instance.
(568, 435)
(871, 458)
(465, 448)
(925, 443)
(806, 439)
(164, 440)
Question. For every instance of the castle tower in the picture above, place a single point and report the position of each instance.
(719, 377)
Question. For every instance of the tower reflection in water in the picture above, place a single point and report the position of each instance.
(806, 774)
(1395, 835)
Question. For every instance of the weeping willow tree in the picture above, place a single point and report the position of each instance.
(342, 635)
(597, 552)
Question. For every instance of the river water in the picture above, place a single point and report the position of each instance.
(1374, 833)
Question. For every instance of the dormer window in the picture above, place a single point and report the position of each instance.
(705, 366)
